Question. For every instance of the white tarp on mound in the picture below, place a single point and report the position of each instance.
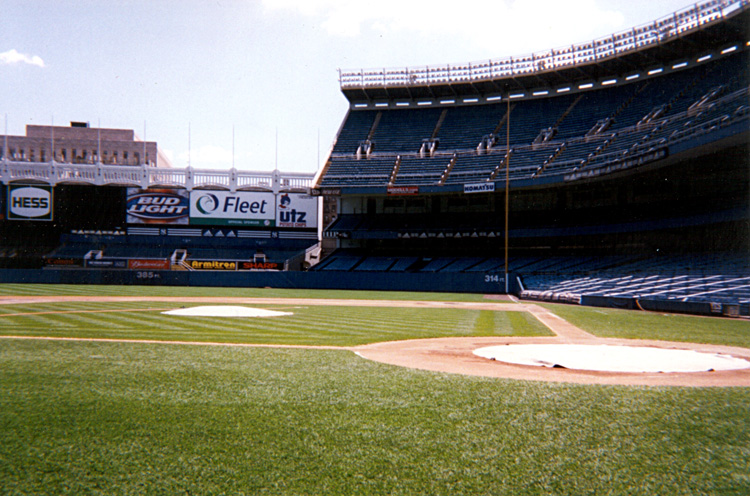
(225, 311)
(608, 358)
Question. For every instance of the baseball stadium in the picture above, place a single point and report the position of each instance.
(526, 275)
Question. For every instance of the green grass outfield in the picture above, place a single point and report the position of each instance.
(128, 418)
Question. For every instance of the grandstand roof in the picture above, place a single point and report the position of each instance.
(707, 26)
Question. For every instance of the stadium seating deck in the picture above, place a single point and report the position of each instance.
(679, 277)
(549, 136)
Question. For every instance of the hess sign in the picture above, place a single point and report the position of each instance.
(29, 202)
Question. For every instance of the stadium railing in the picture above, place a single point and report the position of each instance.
(616, 44)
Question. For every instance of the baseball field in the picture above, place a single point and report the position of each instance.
(103, 393)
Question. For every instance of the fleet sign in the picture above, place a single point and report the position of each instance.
(297, 210)
(29, 202)
(165, 206)
(224, 208)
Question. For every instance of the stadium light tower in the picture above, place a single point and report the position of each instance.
(507, 186)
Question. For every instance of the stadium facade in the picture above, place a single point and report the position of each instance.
(614, 171)
(625, 161)
(105, 201)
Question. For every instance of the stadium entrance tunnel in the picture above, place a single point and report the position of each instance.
(611, 358)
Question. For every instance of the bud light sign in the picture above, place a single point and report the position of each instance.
(166, 206)
(29, 202)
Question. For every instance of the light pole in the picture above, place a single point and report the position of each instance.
(507, 187)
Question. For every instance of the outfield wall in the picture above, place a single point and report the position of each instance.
(379, 281)
(671, 306)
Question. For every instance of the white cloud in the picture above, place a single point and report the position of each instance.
(168, 153)
(14, 57)
(206, 157)
(498, 25)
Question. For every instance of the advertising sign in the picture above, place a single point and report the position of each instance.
(479, 188)
(242, 208)
(64, 262)
(296, 210)
(149, 264)
(162, 206)
(260, 266)
(212, 265)
(106, 264)
(402, 190)
(29, 202)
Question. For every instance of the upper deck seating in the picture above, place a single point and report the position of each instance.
(548, 135)
(355, 129)
(402, 130)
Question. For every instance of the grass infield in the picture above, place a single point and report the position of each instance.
(309, 325)
(124, 418)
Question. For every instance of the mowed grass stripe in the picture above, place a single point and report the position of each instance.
(48, 323)
(218, 292)
(79, 306)
(144, 325)
(338, 326)
(84, 324)
(351, 323)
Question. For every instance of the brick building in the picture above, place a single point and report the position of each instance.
(81, 144)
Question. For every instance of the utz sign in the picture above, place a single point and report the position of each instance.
(296, 210)
(157, 206)
(29, 202)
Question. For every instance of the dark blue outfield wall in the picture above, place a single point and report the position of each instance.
(379, 281)
(671, 306)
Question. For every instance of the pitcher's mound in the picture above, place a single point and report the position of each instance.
(609, 358)
(225, 311)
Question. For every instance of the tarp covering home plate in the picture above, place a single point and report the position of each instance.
(608, 358)
(225, 311)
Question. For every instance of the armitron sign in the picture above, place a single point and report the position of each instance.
(212, 265)
(29, 202)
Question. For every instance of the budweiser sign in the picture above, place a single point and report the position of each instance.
(149, 264)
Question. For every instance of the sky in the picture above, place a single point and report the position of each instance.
(254, 83)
